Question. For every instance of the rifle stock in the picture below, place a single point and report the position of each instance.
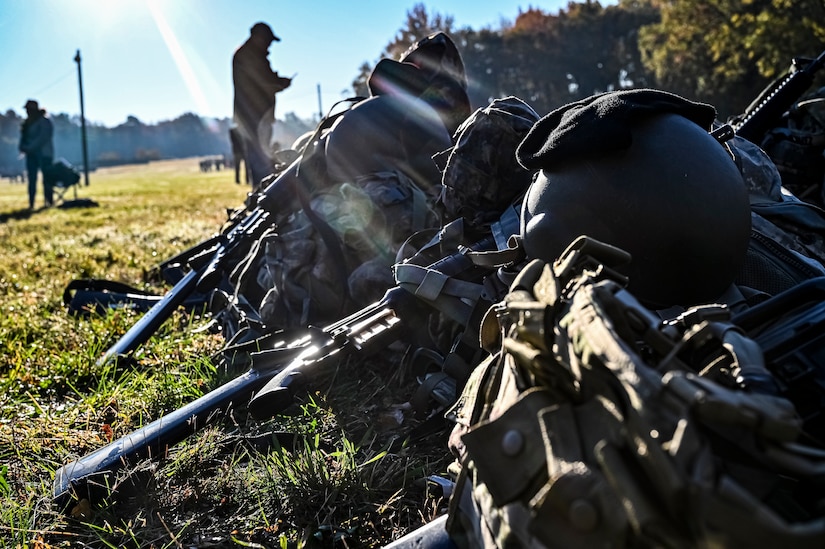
(274, 378)
(767, 109)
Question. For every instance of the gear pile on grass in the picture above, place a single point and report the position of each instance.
(294, 387)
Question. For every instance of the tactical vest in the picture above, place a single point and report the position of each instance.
(595, 424)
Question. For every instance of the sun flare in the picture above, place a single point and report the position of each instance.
(182, 63)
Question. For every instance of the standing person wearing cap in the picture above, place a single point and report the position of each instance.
(255, 86)
(36, 142)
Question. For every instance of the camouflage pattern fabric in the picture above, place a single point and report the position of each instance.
(480, 172)
(787, 235)
(595, 425)
(291, 278)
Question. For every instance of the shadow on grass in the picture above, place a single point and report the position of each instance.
(78, 203)
(25, 213)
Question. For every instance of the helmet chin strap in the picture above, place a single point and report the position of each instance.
(723, 134)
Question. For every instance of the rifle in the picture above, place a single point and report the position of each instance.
(368, 330)
(208, 262)
(212, 259)
(767, 109)
(84, 295)
(296, 356)
(173, 269)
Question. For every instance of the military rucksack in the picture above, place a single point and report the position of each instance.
(797, 147)
(787, 241)
(292, 277)
(595, 424)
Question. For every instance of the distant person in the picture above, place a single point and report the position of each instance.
(37, 143)
(255, 86)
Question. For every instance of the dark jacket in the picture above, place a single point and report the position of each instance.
(36, 136)
(255, 86)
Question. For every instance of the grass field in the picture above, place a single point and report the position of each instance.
(347, 482)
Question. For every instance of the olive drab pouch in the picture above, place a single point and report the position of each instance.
(596, 424)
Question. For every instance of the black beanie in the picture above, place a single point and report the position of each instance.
(601, 124)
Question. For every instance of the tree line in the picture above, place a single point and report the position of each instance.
(134, 141)
(722, 52)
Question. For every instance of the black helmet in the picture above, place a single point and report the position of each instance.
(639, 170)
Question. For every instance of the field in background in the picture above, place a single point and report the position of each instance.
(348, 480)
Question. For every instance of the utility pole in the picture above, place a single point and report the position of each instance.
(82, 121)
(320, 110)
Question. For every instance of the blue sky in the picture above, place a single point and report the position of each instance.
(156, 59)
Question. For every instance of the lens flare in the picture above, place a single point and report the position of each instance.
(179, 57)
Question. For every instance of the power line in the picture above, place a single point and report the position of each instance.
(53, 84)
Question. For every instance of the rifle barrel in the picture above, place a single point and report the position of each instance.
(143, 329)
(768, 112)
(157, 437)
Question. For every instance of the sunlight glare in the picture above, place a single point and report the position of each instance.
(181, 62)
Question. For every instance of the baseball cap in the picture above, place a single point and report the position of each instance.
(264, 30)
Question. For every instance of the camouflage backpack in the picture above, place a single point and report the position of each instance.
(480, 173)
(291, 278)
(595, 424)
